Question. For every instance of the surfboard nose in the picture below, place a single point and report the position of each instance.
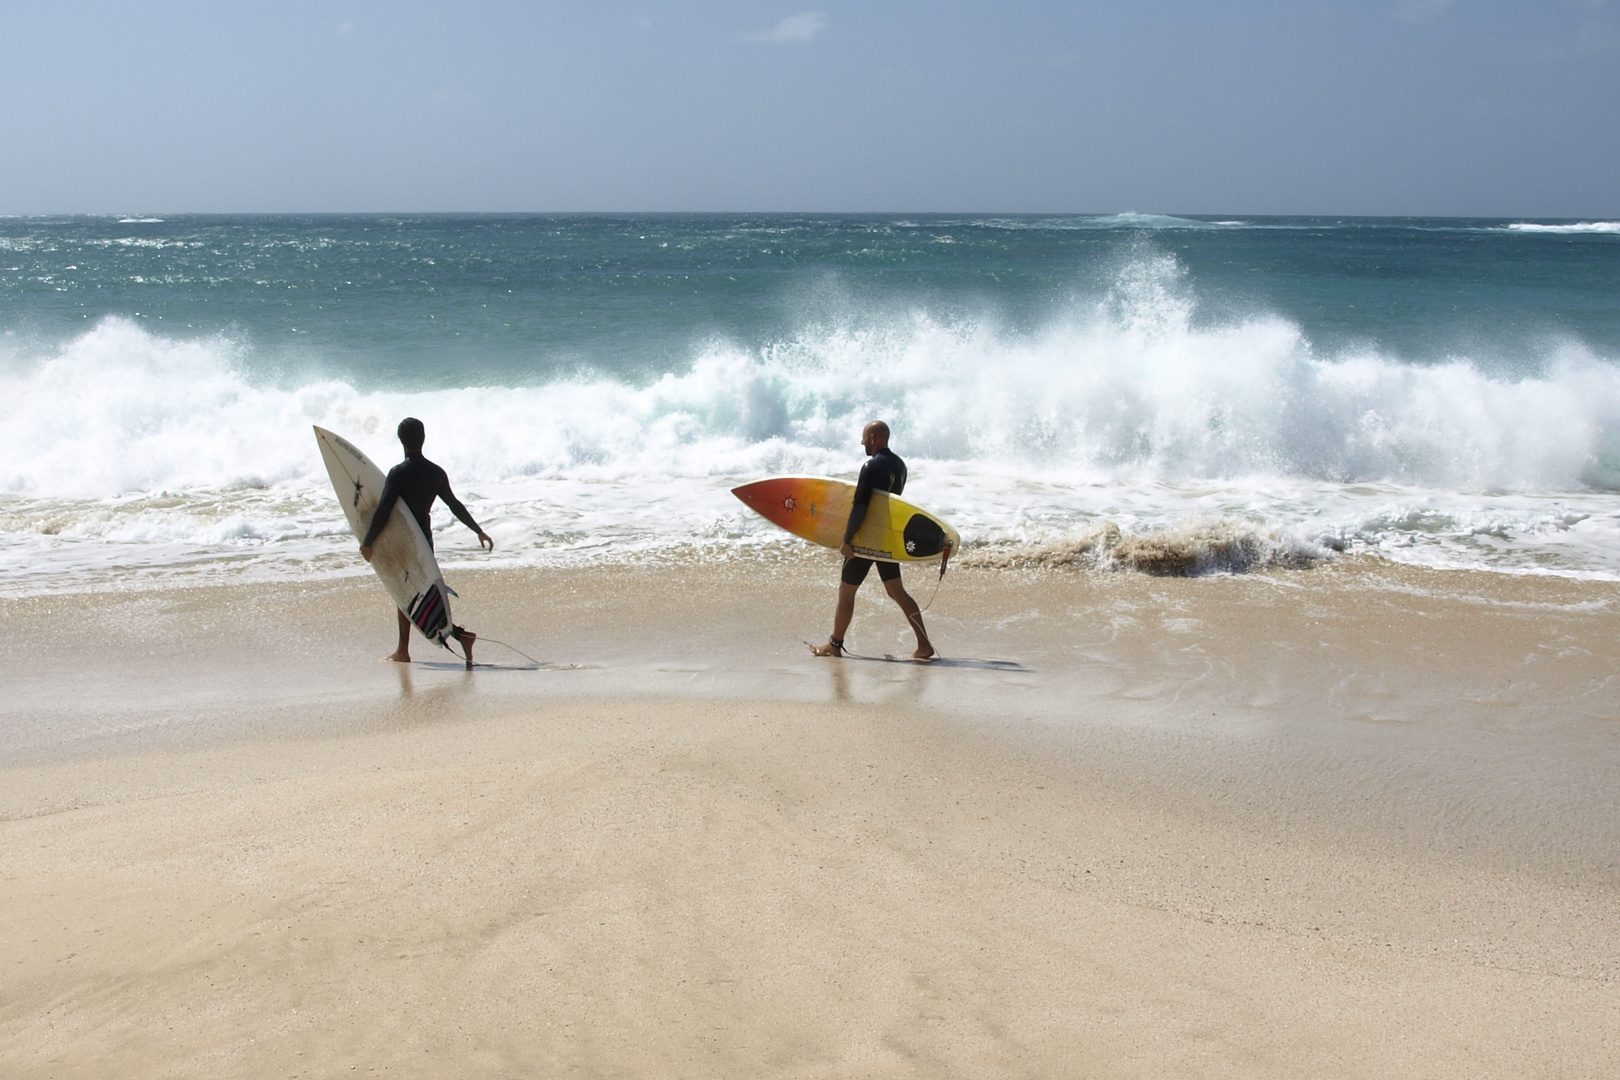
(762, 492)
(779, 500)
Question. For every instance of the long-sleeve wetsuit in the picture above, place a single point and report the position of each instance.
(883, 471)
(418, 481)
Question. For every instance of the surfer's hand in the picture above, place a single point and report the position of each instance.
(847, 551)
(365, 551)
(485, 542)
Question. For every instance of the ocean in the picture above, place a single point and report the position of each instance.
(1248, 391)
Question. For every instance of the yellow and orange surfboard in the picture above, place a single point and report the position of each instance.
(818, 509)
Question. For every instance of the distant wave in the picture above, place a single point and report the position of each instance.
(1132, 220)
(140, 221)
(1580, 227)
(1127, 220)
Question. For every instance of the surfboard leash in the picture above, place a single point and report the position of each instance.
(937, 583)
(944, 564)
(513, 648)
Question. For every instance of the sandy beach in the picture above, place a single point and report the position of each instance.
(1357, 820)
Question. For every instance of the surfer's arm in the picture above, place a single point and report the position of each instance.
(379, 516)
(857, 508)
(460, 510)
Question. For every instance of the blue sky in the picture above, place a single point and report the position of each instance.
(1379, 107)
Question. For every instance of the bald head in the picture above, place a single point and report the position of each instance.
(875, 436)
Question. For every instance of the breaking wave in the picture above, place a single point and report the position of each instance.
(1130, 389)
(1127, 433)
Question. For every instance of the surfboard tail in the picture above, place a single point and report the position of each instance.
(430, 613)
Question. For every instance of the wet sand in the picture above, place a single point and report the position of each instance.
(1353, 821)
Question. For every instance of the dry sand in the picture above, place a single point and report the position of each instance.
(1353, 821)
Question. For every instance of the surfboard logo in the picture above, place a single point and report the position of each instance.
(428, 611)
(923, 536)
(788, 503)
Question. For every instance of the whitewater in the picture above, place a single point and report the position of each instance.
(136, 454)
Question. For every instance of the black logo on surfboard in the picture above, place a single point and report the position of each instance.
(923, 537)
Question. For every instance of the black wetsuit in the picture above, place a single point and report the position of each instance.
(883, 471)
(418, 481)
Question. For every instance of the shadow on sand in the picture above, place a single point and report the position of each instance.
(945, 662)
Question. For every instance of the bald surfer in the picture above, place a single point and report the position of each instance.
(418, 481)
(883, 471)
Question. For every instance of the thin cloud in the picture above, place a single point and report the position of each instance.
(801, 27)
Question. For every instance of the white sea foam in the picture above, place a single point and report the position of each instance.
(1133, 220)
(131, 453)
(1580, 227)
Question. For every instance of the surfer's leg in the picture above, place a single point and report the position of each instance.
(402, 654)
(897, 592)
(841, 621)
(849, 582)
(466, 637)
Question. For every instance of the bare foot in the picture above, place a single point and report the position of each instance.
(467, 637)
(832, 648)
(400, 657)
(924, 653)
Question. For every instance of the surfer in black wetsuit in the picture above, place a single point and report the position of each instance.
(418, 481)
(883, 471)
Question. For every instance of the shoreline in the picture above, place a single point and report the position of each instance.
(1355, 821)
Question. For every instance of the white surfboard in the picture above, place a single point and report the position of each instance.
(402, 556)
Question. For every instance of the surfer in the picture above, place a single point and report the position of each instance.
(883, 471)
(418, 481)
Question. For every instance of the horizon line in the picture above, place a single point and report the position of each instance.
(1190, 215)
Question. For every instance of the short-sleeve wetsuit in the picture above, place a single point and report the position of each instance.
(883, 471)
(418, 481)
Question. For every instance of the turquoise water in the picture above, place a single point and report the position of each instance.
(431, 302)
(1437, 389)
